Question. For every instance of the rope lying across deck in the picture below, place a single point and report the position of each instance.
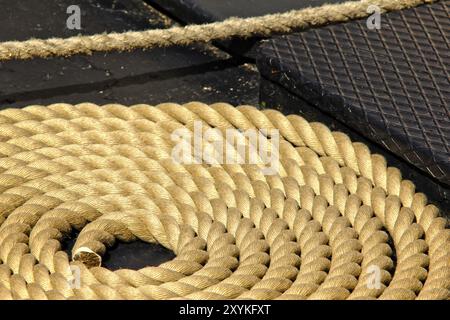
(234, 27)
(315, 230)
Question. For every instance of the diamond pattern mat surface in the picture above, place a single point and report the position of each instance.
(392, 84)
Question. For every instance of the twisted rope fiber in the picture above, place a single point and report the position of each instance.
(314, 230)
(234, 27)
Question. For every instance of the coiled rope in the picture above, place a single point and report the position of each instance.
(234, 27)
(317, 229)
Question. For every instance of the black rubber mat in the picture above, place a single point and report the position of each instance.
(206, 11)
(391, 85)
(273, 95)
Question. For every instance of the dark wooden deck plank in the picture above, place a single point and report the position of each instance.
(176, 74)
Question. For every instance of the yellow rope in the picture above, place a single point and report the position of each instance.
(317, 229)
(233, 27)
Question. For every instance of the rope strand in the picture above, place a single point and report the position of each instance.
(234, 27)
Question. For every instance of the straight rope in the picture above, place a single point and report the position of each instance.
(234, 27)
(334, 222)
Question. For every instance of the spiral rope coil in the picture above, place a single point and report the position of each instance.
(315, 230)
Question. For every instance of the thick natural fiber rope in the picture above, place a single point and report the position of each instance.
(312, 231)
(233, 27)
